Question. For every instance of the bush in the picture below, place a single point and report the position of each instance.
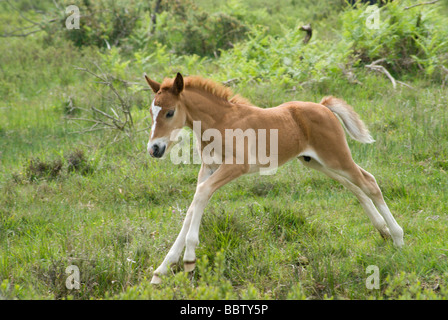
(187, 29)
(409, 40)
(284, 60)
(103, 23)
(77, 162)
(38, 169)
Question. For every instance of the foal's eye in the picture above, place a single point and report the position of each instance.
(170, 113)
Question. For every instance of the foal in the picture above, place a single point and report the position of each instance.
(308, 131)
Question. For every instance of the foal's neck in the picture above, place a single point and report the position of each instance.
(204, 107)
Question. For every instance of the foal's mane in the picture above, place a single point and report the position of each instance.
(210, 86)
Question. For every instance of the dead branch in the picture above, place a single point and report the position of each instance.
(374, 66)
(91, 129)
(378, 61)
(108, 80)
(92, 120)
(22, 16)
(444, 69)
(349, 74)
(39, 26)
(421, 4)
(105, 114)
(15, 34)
(124, 105)
(230, 81)
(405, 84)
(120, 119)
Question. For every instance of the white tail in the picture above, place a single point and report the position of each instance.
(352, 123)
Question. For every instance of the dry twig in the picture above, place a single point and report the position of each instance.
(23, 32)
(120, 119)
(384, 71)
(374, 66)
(421, 4)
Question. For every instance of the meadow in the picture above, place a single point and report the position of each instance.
(78, 188)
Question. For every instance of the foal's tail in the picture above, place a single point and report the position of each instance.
(353, 124)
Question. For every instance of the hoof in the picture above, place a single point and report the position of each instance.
(189, 266)
(399, 244)
(398, 238)
(385, 234)
(156, 279)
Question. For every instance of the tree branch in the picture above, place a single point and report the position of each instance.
(121, 118)
(374, 66)
(40, 25)
(13, 33)
(421, 4)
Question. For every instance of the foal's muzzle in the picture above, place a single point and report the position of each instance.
(157, 150)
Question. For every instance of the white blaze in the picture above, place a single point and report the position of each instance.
(155, 112)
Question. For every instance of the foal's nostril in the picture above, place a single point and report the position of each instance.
(155, 149)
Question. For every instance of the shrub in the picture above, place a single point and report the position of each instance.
(103, 23)
(284, 60)
(77, 162)
(186, 29)
(37, 169)
(408, 39)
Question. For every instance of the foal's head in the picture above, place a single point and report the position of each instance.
(167, 114)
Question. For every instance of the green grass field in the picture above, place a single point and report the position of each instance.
(98, 201)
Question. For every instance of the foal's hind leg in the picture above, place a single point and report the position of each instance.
(374, 216)
(368, 184)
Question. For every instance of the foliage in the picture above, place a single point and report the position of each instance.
(181, 25)
(77, 162)
(283, 60)
(408, 286)
(409, 40)
(208, 283)
(187, 29)
(37, 168)
(103, 23)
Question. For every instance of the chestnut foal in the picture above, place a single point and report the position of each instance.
(308, 131)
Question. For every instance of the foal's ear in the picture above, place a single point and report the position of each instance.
(178, 84)
(155, 86)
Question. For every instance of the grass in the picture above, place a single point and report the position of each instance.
(114, 212)
(117, 222)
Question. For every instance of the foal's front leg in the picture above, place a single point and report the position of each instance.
(175, 251)
(189, 233)
(204, 191)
